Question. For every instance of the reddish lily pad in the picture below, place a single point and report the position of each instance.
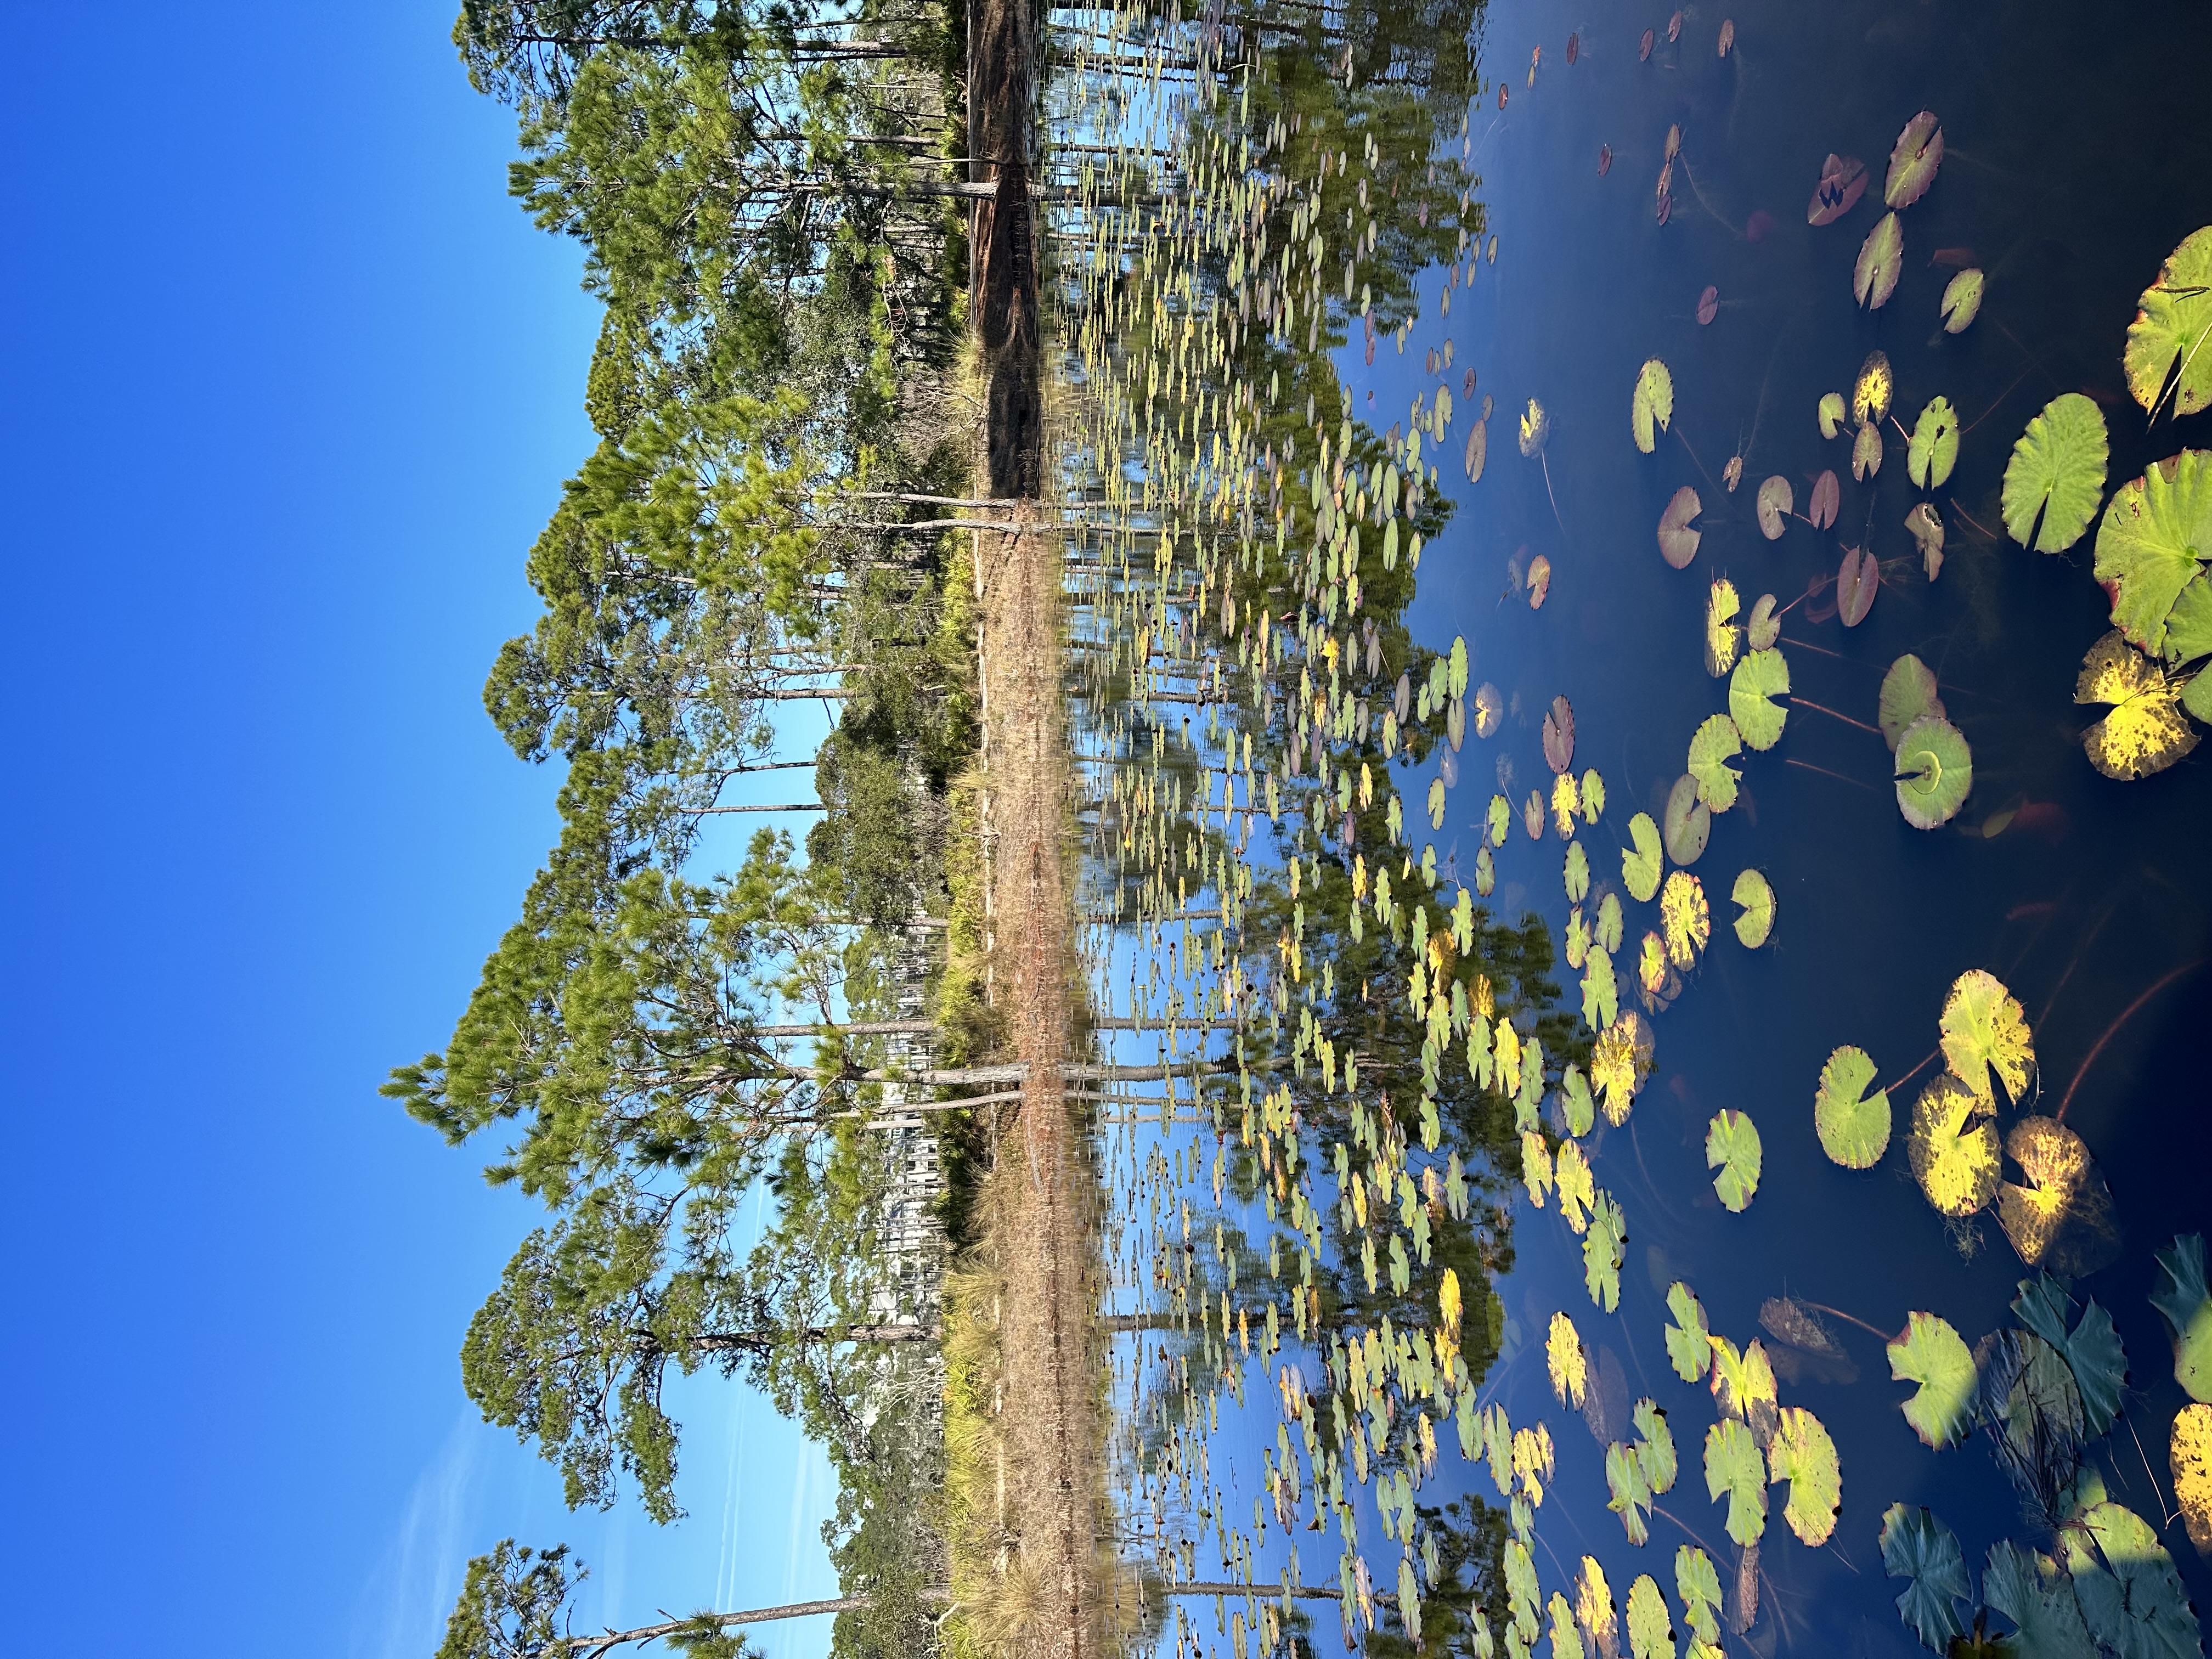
(1709, 304)
(1559, 735)
(1843, 181)
(1574, 48)
(1673, 28)
(1827, 495)
(1728, 36)
(1912, 163)
(1856, 585)
(1678, 542)
(1775, 499)
(1643, 50)
(1604, 160)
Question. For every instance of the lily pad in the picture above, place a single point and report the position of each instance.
(1489, 710)
(1872, 390)
(1600, 991)
(2189, 636)
(1775, 500)
(1913, 160)
(1732, 473)
(1953, 1147)
(1708, 306)
(1689, 822)
(2028, 1588)
(1917, 1548)
(1827, 496)
(1732, 1147)
(1935, 447)
(1651, 969)
(1678, 542)
(2032, 1408)
(1713, 745)
(1866, 452)
(1651, 405)
(1843, 181)
(1853, 1125)
(1577, 872)
(1724, 636)
(1640, 864)
(1593, 794)
(2091, 1349)
(1926, 526)
(2134, 1604)
(2182, 1298)
(2174, 325)
(1764, 627)
(1564, 1360)
(1934, 1355)
(2189, 1460)
(1858, 580)
(1830, 413)
(1683, 916)
(1540, 580)
(1935, 772)
(1478, 451)
(1699, 1587)
(1651, 1632)
(1535, 429)
(1499, 821)
(1559, 735)
(2057, 471)
(1985, 1036)
(1688, 1346)
(2156, 534)
(1655, 1451)
(1630, 1500)
(1620, 1060)
(1908, 694)
(1604, 1246)
(1759, 679)
(1803, 1453)
(1962, 300)
(1880, 262)
(2146, 731)
(1757, 898)
(1735, 1469)
(1743, 1386)
(1607, 933)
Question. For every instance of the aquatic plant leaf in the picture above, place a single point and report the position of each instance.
(1776, 500)
(1593, 794)
(2134, 1604)
(1743, 1385)
(1723, 637)
(2157, 533)
(1803, 1453)
(1566, 1362)
(1563, 803)
(1577, 1190)
(1678, 542)
(1604, 1246)
(1762, 629)
(1831, 413)
(1866, 452)
(1489, 710)
(1535, 428)
(1689, 822)
(1712, 747)
(1858, 580)
(1600, 991)
(1630, 1497)
(1759, 679)
(2190, 1458)
(2028, 1588)
(1935, 772)
(2146, 731)
(1656, 1451)
(1651, 403)
(1640, 863)
(2189, 636)
(1953, 1147)
(1843, 181)
(2182, 1298)
(1872, 390)
(1853, 1125)
(1926, 526)
(1962, 300)
(1567, 1640)
(1917, 1548)
(1539, 576)
(1753, 892)
(1531, 815)
(1697, 1586)
(2173, 323)
(1708, 306)
(1620, 1060)
(1827, 496)
(1577, 872)
(1499, 822)
(1651, 968)
(1477, 450)
(1908, 694)
(1732, 1147)
(2091, 1349)
(1684, 918)
(1880, 262)
(1933, 450)
(1985, 1036)
(1913, 160)
(1734, 1468)
(2057, 470)
(1689, 1345)
(1608, 913)
(1934, 1355)
(1559, 735)
(1651, 1632)
(2062, 1214)
(2032, 1407)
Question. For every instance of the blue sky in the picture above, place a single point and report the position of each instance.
(291, 384)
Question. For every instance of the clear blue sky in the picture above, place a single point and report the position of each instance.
(290, 385)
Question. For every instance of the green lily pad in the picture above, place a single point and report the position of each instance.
(1486, 871)
(2189, 630)
(1577, 872)
(1600, 991)
(1714, 744)
(1803, 1453)
(1759, 679)
(1953, 1147)
(2134, 1602)
(1934, 1355)
(2183, 1298)
(1607, 933)
(1866, 452)
(1908, 694)
(1763, 627)
(1962, 300)
(2091, 1349)
(2028, 1588)
(1830, 413)
(1933, 450)
(1732, 1147)
(1655, 1451)
(1651, 405)
(2156, 534)
(1689, 822)
(1985, 1036)
(2032, 1407)
(1734, 1469)
(1697, 1586)
(1592, 795)
(1853, 1125)
(1926, 526)
(1630, 1497)
(2174, 325)
(1582, 1109)
(1935, 772)
(1913, 160)
(1880, 262)
(1500, 820)
(1757, 897)
(1651, 1632)
(1641, 864)
(1917, 1548)
(1775, 500)
(1689, 1346)
(1604, 1245)
(2057, 470)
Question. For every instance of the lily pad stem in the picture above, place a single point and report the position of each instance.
(1821, 708)
(1851, 1319)
(1679, 433)
(2112, 1031)
(1888, 1088)
(1807, 645)
(1856, 783)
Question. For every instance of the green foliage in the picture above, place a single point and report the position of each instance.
(1934, 1355)
(1920, 1549)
